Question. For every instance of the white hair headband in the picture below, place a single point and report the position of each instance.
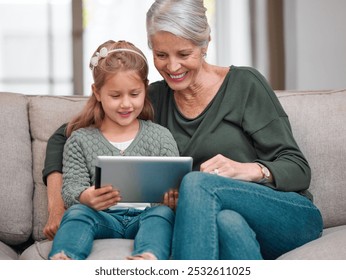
(94, 61)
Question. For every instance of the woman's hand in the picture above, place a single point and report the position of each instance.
(226, 167)
(101, 198)
(170, 199)
(53, 222)
(56, 206)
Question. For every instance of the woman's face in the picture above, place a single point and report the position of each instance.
(178, 60)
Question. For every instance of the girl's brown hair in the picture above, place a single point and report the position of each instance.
(93, 113)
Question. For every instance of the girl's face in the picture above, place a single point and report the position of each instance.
(122, 98)
(178, 60)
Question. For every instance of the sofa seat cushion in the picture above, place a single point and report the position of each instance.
(331, 246)
(7, 253)
(16, 182)
(103, 249)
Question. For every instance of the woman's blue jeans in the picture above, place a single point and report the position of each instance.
(151, 228)
(222, 218)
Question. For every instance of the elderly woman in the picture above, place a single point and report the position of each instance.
(247, 198)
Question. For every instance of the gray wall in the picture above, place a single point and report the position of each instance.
(315, 44)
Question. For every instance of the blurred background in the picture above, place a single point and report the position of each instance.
(46, 45)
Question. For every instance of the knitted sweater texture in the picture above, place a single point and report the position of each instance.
(85, 144)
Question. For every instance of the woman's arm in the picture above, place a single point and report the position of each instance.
(267, 124)
(54, 153)
(52, 177)
(56, 207)
(252, 128)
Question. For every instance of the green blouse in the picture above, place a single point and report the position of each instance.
(244, 122)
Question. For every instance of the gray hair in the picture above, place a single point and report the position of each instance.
(183, 18)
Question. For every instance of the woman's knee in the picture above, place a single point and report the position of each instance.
(228, 220)
(193, 182)
(205, 182)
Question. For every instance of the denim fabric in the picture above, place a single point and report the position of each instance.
(222, 218)
(151, 228)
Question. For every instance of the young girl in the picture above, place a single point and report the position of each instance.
(115, 121)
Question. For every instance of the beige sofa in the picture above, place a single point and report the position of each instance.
(318, 121)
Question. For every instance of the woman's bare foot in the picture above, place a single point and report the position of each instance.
(144, 256)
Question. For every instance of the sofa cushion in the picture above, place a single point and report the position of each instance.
(318, 123)
(331, 246)
(7, 253)
(16, 182)
(46, 114)
(103, 249)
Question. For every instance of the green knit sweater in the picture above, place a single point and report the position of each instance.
(86, 144)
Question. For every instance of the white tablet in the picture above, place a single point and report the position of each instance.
(142, 178)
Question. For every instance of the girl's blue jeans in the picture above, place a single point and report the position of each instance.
(151, 229)
(222, 218)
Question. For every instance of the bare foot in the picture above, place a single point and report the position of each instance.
(60, 256)
(144, 256)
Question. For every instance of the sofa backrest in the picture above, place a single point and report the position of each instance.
(46, 115)
(16, 182)
(318, 121)
(27, 122)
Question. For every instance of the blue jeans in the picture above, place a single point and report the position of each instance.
(151, 228)
(222, 218)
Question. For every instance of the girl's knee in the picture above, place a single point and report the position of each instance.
(160, 211)
(77, 211)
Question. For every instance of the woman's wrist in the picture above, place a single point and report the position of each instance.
(250, 172)
(265, 174)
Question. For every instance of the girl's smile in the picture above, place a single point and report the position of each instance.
(122, 97)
